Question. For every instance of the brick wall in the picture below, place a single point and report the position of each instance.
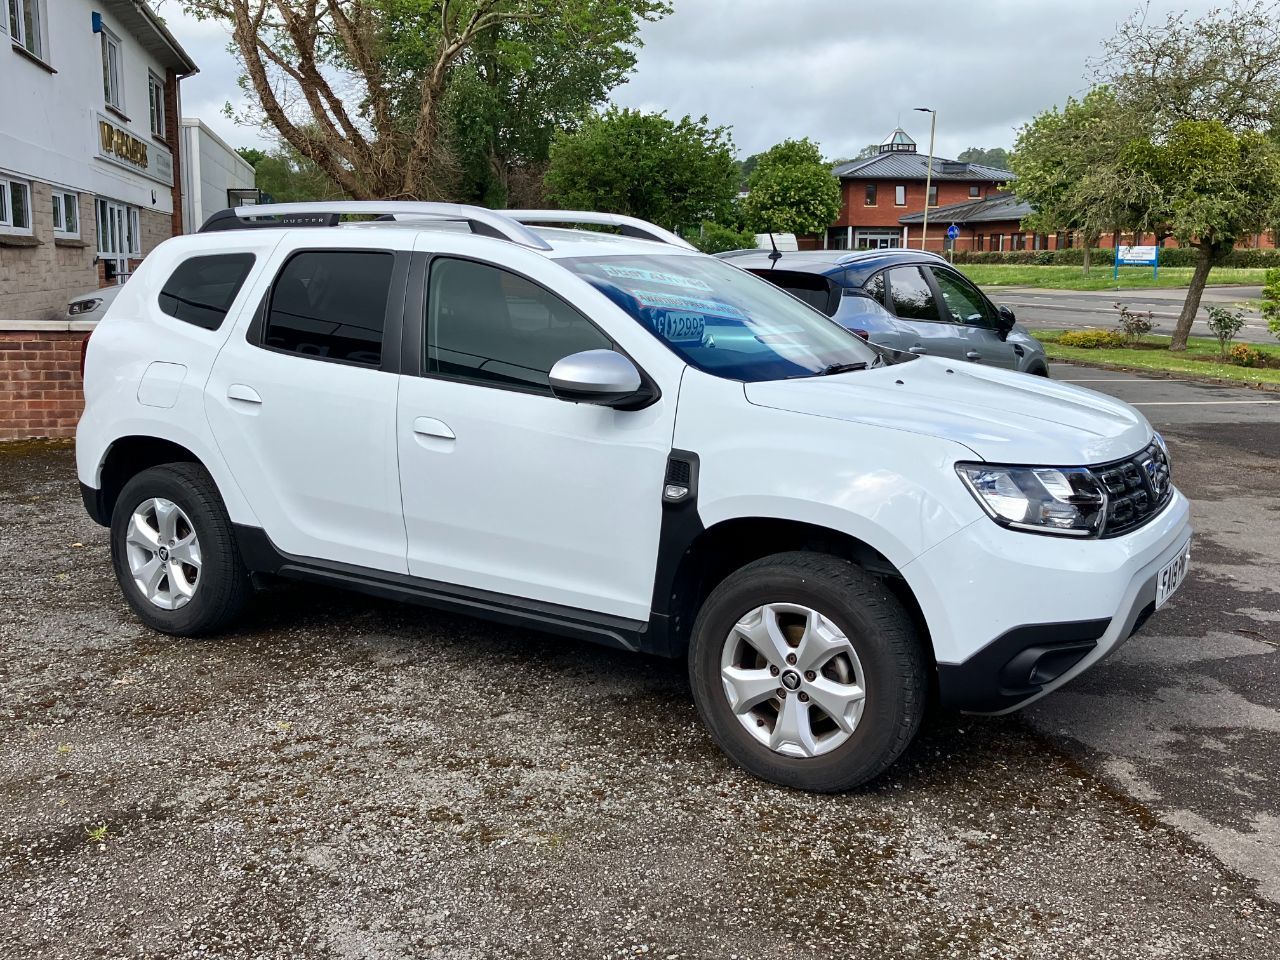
(40, 386)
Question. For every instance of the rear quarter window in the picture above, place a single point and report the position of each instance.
(201, 290)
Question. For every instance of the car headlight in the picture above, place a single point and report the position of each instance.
(1068, 501)
(83, 306)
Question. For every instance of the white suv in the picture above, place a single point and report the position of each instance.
(616, 438)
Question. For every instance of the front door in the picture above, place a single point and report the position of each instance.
(117, 238)
(506, 488)
(303, 405)
(975, 320)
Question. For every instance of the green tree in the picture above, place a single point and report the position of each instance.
(674, 173)
(997, 157)
(286, 176)
(717, 238)
(1211, 188)
(251, 155)
(360, 87)
(1068, 167)
(792, 190)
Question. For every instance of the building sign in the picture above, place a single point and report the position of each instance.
(1138, 257)
(117, 145)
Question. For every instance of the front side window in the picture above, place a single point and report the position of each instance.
(24, 25)
(155, 96)
(201, 290)
(15, 206)
(964, 301)
(489, 326)
(721, 319)
(871, 195)
(331, 305)
(112, 71)
(66, 214)
(900, 195)
(911, 295)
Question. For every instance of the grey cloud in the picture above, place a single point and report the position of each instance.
(839, 71)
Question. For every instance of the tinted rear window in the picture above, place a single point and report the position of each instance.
(201, 290)
(813, 288)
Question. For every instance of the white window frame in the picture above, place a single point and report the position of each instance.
(155, 103)
(112, 86)
(16, 25)
(131, 243)
(64, 200)
(7, 224)
(900, 195)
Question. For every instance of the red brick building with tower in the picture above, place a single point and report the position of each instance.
(878, 191)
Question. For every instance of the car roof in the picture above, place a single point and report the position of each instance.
(855, 266)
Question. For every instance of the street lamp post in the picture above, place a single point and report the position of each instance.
(928, 177)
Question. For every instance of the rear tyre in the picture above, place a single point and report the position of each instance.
(174, 551)
(807, 672)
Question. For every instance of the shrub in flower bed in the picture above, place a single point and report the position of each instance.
(1091, 339)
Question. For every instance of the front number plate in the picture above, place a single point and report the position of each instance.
(1171, 576)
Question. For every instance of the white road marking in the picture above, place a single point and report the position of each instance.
(1125, 380)
(1202, 403)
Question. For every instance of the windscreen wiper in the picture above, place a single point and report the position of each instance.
(843, 368)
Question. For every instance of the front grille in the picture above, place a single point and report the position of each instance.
(1137, 488)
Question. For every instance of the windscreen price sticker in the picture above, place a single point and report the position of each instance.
(681, 327)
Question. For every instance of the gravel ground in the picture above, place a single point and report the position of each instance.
(343, 777)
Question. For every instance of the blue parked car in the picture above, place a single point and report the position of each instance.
(905, 300)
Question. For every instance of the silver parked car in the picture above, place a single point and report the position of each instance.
(92, 304)
(905, 300)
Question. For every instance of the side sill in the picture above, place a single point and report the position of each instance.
(261, 556)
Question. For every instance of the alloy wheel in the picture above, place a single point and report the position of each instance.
(164, 553)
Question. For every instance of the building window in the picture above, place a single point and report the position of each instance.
(15, 206)
(933, 196)
(112, 70)
(155, 95)
(66, 214)
(24, 25)
(1017, 241)
(899, 196)
(979, 242)
(870, 200)
(975, 192)
(119, 233)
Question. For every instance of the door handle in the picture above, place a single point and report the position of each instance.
(431, 427)
(917, 350)
(238, 391)
(973, 355)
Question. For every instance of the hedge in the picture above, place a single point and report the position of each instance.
(1074, 257)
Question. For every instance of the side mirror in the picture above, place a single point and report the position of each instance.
(598, 376)
(1004, 321)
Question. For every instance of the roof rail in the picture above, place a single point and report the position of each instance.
(629, 226)
(321, 213)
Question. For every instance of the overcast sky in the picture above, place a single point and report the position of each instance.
(843, 72)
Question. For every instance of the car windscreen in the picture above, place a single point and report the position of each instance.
(721, 319)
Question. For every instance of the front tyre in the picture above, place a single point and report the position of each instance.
(807, 672)
(174, 551)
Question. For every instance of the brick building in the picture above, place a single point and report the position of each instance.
(89, 184)
(991, 223)
(878, 191)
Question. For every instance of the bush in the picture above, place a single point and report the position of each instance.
(1133, 325)
(1224, 323)
(1271, 301)
(1092, 339)
(1243, 355)
(717, 238)
(1105, 257)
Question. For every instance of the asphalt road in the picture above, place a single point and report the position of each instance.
(342, 777)
(1041, 309)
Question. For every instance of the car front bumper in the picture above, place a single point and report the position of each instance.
(1023, 613)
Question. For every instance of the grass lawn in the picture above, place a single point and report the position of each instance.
(1199, 360)
(1070, 278)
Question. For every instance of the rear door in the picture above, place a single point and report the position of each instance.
(302, 401)
(974, 318)
(911, 296)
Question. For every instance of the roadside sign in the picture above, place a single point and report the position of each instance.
(952, 232)
(1134, 256)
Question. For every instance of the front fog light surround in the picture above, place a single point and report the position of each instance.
(1067, 501)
